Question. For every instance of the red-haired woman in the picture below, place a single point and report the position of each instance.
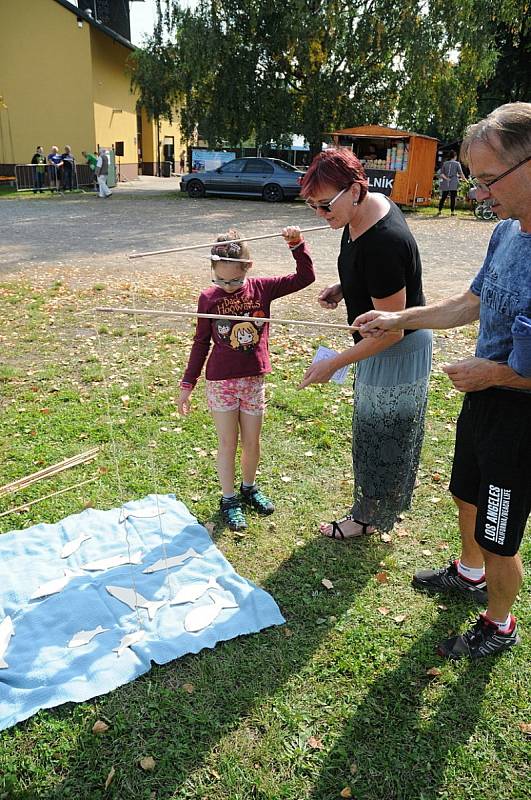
(379, 268)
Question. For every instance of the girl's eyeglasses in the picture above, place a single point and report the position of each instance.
(484, 186)
(326, 207)
(233, 282)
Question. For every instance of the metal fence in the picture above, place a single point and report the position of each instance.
(46, 178)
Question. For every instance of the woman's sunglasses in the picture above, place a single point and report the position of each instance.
(326, 207)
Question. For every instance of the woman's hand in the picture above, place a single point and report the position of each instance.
(331, 296)
(321, 372)
(183, 401)
(292, 235)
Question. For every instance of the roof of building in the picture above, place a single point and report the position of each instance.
(377, 130)
(95, 24)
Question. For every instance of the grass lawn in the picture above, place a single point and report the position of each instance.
(343, 700)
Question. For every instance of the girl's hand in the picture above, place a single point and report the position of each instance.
(331, 296)
(183, 401)
(292, 234)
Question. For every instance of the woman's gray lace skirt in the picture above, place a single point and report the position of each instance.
(390, 397)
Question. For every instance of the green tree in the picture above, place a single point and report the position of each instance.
(271, 68)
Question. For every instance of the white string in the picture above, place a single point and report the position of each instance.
(117, 467)
(154, 478)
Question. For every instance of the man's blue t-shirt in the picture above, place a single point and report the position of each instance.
(503, 285)
(55, 158)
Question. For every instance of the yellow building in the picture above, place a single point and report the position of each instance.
(63, 80)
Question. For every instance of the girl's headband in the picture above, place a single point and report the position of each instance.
(215, 257)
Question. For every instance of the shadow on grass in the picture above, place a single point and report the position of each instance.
(400, 749)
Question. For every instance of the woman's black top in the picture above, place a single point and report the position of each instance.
(379, 263)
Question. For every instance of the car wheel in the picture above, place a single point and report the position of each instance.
(273, 193)
(195, 189)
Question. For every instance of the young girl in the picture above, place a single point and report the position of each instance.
(238, 362)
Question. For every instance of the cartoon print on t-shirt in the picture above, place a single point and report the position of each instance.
(256, 319)
(244, 336)
(223, 329)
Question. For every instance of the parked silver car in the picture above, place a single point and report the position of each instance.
(271, 178)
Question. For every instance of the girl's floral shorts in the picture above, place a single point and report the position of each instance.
(231, 394)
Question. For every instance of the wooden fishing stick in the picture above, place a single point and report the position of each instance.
(24, 506)
(212, 244)
(48, 472)
(194, 314)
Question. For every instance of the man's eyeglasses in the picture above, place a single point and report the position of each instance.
(233, 282)
(484, 186)
(326, 207)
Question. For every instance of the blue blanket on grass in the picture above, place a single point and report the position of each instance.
(42, 671)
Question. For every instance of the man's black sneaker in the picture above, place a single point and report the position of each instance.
(448, 579)
(233, 514)
(257, 499)
(482, 639)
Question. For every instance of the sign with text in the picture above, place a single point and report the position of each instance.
(381, 180)
(203, 160)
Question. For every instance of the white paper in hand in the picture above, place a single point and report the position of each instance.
(327, 352)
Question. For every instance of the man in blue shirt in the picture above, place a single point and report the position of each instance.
(490, 482)
(55, 163)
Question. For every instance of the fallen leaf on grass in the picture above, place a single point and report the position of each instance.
(327, 584)
(433, 672)
(285, 478)
(435, 499)
(436, 477)
(110, 776)
(189, 687)
(315, 743)
(353, 768)
(525, 727)
(426, 552)
(442, 607)
(381, 577)
(384, 611)
(386, 537)
(210, 527)
(147, 763)
(100, 727)
(346, 792)
(399, 618)
(287, 632)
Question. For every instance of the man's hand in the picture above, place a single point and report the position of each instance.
(374, 324)
(331, 296)
(321, 372)
(472, 374)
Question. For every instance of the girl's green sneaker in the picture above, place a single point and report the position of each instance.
(232, 513)
(257, 500)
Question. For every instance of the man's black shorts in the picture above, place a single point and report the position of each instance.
(492, 465)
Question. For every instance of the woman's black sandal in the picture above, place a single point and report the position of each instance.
(337, 533)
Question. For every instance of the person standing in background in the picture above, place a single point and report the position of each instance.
(39, 160)
(92, 160)
(102, 172)
(451, 174)
(69, 166)
(55, 162)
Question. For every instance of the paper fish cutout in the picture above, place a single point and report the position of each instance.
(135, 600)
(174, 561)
(113, 561)
(192, 591)
(55, 586)
(7, 630)
(125, 514)
(75, 544)
(128, 640)
(84, 637)
(203, 616)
